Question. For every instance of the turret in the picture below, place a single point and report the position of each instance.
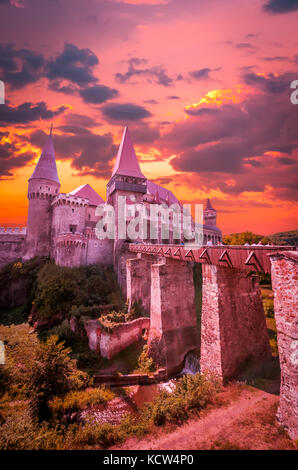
(210, 215)
(127, 179)
(43, 186)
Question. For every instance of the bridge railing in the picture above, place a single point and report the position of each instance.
(250, 258)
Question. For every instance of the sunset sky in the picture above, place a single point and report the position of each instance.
(203, 85)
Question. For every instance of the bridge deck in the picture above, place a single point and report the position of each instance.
(250, 258)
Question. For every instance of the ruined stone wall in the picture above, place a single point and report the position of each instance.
(173, 322)
(285, 286)
(110, 343)
(233, 326)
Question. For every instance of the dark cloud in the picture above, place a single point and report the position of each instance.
(245, 45)
(201, 74)
(27, 112)
(80, 120)
(281, 6)
(20, 67)
(270, 83)
(98, 94)
(125, 112)
(90, 154)
(157, 74)
(73, 64)
(240, 139)
(173, 97)
(278, 58)
(10, 157)
(143, 133)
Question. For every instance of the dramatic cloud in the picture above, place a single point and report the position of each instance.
(125, 112)
(90, 154)
(98, 94)
(27, 112)
(281, 6)
(251, 140)
(155, 74)
(20, 67)
(73, 64)
(10, 157)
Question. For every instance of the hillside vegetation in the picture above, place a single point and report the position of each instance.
(281, 238)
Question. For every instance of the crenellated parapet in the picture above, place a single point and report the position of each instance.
(13, 230)
(68, 200)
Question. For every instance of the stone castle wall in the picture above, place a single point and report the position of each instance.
(11, 245)
(233, 325)
(285, 286)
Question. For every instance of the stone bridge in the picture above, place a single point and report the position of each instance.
(232, 326)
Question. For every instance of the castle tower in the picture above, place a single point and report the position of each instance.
(210, 215)
(43, 186)
(127, 179)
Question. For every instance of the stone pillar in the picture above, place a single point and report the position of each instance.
(233, 325)
(173, 322)
(284, 271)
(138, 278)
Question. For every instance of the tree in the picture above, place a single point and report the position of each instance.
(54, 373)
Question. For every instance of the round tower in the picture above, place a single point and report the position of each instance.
(43, 186)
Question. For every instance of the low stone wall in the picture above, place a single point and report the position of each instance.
(108, 344)
(285, 286)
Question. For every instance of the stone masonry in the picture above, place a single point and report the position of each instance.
(285, 285)
(138, 274)
(173, 322)
(233, 326)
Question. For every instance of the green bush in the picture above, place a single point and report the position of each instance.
(192, 392)
(75, 401)
(53, 374)
(146, 363)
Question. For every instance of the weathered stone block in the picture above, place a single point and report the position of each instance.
(233, 326)
(284, 282)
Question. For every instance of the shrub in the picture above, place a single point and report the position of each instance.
(146, 363)
(75, 401)
(192, 392)
(53, 374)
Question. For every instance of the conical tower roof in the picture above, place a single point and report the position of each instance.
(126, 162)
(46, 166)
(209, 206)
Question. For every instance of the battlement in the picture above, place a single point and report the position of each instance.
(68, 199)
(13, 230)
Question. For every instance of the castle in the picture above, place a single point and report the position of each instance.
(63, 226)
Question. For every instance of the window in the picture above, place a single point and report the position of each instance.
(72, 228)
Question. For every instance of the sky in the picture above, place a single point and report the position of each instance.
(203, 86)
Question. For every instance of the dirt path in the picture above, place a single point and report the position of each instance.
(245, 421)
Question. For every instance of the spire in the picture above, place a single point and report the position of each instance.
(46, 166)
(209, 206)
(126, 162)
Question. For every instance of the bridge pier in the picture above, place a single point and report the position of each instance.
(173, 322)
(285, 285)
(233, 326)
(138, 275)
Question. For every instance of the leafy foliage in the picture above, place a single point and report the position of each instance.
(146, 363)
(53, 374)
(74, 401)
